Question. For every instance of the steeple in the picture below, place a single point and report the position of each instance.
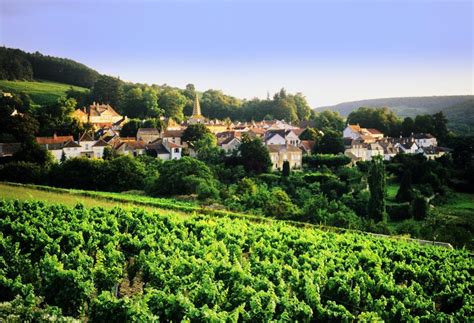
(196, 107)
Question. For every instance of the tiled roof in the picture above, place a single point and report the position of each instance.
(279, 148)
(100, 143)
(71, 144)
(53, 140)
(148, 131)
(173, 133)
(307, 144)
(374, 131)
(86, 137)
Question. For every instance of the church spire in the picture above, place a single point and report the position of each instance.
(196, 107)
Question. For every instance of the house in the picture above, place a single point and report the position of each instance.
(71, 149)
(148, 134)
(352, 131)
(389, 149)
(99, 147)
(164, 150)
(307, 146)
(367, 135)
(99, 115)
(54, 144)
(433, 152)
(283, 137)
(275, 137)
(281, 153)
(359, 150)
(129, 146)
(86, 142)
(229, 141)
(424, 140)
(173, 136)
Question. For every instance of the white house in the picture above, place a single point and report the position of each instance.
(275, 138)
(98, 148)
(425, 140)
(87, 141)
(164, 150)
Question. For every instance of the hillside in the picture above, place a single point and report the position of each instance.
(461, 117)
(40, 92)
(403, 106)
(114, 265)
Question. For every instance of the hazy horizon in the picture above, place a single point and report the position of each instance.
(332, 52)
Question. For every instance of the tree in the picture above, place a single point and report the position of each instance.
(309, 134)
(419, 207)
(382, 119)
(108, 90)
(195, 132)
(182, 176)
(440, 124)
(408, 126)
(303, 110)
(330, 143)
(172, 102)
(424, 124)
(32, 152)
(254, 155)
(376, 180)
(130, 128)
(328, 120)
(286, 169)
(405, 192)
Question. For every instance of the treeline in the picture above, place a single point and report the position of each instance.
(16, 64)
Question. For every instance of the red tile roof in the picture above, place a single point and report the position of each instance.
(53, 140)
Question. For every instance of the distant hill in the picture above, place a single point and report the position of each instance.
(404, 106)
(16, 64)
(459, 109)
(40, 92)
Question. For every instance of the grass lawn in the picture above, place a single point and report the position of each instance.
(27, 193)
(392, 190)
(40, 92)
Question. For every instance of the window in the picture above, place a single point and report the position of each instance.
(176, 150)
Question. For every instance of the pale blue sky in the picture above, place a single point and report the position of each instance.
(332, 51)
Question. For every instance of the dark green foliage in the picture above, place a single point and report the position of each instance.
(328, 120)
(14, 65)
(32, 152)
(328, 160)
(405, 192)
(286, 169)
(130, 128)
(108, 90)
(195, 132)
(172, 102)
(399, 212)
(309, 134)
(419, 208)
(376, 180)
(22, 172)
(62, 70)
(184, 176)
(254, 156)
(382, 119)
(330, 143)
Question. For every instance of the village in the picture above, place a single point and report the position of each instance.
(281, 138)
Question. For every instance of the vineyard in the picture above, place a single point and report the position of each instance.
(121, 264)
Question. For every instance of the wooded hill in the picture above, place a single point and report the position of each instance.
(458, 109)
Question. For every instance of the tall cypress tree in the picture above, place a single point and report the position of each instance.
(376, 179)
(405, 192)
